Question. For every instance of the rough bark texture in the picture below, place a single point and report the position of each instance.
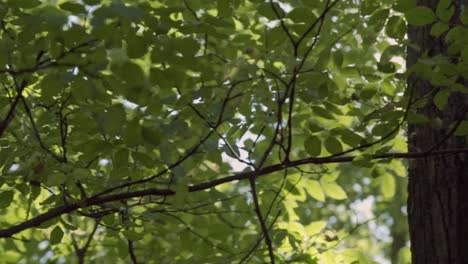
(438, 186)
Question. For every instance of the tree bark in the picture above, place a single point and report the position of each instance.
(438, 186)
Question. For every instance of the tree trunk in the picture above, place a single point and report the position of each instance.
(438, 186)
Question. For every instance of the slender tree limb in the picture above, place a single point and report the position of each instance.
(40, 65)
(328, 7)
(81, 252)
(259, 240)
(189, 8)
(263, 226)
(11, 112)
(98, 199)
(91, 236)
(38, 135)
(131, 251)
(283, 26)
(47, 63)
(200, 236)
(460, 119)
(189, 152)
(291, 87)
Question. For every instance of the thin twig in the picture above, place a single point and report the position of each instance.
(263, 226)
(131, 251)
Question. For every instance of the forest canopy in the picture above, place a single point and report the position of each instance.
(190, 131)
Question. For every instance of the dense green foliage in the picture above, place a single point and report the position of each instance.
(138, 130)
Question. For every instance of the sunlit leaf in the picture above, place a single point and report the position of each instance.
(334, 191)
(387, 185)
(315, 190)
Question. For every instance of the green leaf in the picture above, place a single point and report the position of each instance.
(301, 14)
(293, 242)
(120, 159)
(314, 128)
(445, 10)
(332, 108)
(459, 87)
(396, 27)
(55, 178)
(378, 19)
(464, 16)
(129, 72)
(404, 5)
(322, 112)
(382, 129)
(334, 191)
(113, 119)
(6, 197)
(92, 2)
(133, 133)
(132, 235)
(464, 55)
(391, 52)
(351, 139)
(315, 227)
(377, 172)
(279, 236)
(224, 8)
(369, 6)
(137, 47)
(333, 145)
(11, 256)
(187, 46)
(462, 129)
(266, 10)
(322, 61)
(181, 192)
(329, 177)
(80, 173)
(143, 159)
(441, 99)
(386, 67)
(56, 235)
(315, 190)
(439, 28)
(363, 160)
(338, 58)
(368, 92)
(420, 16)
(313, 146)
(27, 4)
(151, 136)
(416, 118)
(387, 185)
(81, 89)
(73, 7)
(52, 85)
(68, 226)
